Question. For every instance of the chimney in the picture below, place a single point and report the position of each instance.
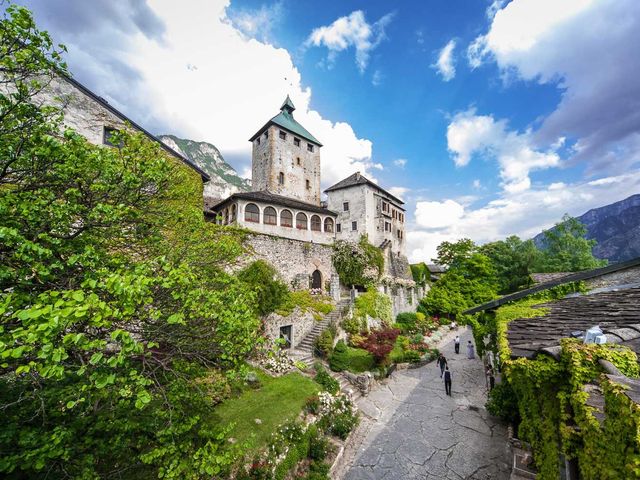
(357, 175)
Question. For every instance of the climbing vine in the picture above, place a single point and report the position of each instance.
(358, 263)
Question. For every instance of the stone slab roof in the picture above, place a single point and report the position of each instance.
(358, 179)
(265, 196)
(617, 312)
(548, 277)
(574, 277)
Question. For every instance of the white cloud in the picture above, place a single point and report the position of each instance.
(258, 23)
(438, 214)
(351, 31)
(477, 184)
(470, 134)
(377, 78)
(445, 64)
(587, 48)
(400, 162)
(525, 215)
(398, 191)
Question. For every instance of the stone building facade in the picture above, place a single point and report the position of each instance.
(366, 208)
(94, 118)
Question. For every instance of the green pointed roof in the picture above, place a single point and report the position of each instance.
(286, 121)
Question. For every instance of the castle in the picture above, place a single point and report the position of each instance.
(286, 202)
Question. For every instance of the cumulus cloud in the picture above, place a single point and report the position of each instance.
(354, 31)
(398, 191)
(525, 215)
(445, 64)
(589, 49)
(438, 214)
(224, 100)
(470, 134)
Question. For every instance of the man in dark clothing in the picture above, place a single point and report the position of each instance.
(456, 342)
(447, 381)
(442, 363)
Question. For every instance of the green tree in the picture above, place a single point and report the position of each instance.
(513, 260)
(449, 253)
(111, 319)
(261, 278)
(358, 263)
(566, 248)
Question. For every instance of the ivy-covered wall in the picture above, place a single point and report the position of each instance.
(551, 399)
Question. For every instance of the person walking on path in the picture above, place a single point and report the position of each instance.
(442, 363)
(470, 351)
(447, 381)
(456, 342)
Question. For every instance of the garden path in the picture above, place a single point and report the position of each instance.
(412, 430)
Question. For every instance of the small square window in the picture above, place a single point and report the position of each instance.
(296, 141)
(345, 206)
(298, 160)
(338, 228)
(283, 135)
(308, 185)
(309, 147)
(354, 226)
(108, 137)
(281, 178)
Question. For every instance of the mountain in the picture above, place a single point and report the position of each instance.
(616, 228)
(224, 178)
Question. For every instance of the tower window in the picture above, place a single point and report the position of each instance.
(258, 140)
(283, 135)
(345, 206)
(308, 185)
(298, 160)
(281, 178)
(296, 141)
(309, 147)
(354, 226)
(387, 226)
(338, 228)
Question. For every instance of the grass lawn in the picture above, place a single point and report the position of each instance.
(276, 401)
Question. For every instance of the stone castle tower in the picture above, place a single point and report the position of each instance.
(286, 158)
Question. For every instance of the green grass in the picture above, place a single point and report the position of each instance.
(275, 402)
(359, 360)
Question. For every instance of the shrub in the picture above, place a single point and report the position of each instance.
(411, 356)
(408, 322)
(339, 359)
(318, 471)
(342, 425)
(270, 290)
(503, 402)
(318, 446)
(354, 325)
(356, 340)
(380, 343)
(374, 304)
(324, 343)
(326, 381)
(312, 405)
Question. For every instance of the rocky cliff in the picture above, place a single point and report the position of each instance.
(616, 228)
(224, 179)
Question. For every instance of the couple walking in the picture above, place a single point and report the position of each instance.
(442, 363)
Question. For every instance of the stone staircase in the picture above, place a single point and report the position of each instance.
(304, 350)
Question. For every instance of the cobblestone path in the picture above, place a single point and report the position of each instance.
(415, 431)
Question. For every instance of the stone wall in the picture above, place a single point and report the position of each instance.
(404, 298)
(357, 199)
(627, 276)
(301, 325)
(294, 259)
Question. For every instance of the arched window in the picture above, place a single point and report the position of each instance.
(286, 219)
(328, 224)
(270, 216)
(281, 178)
(234, 212)
(301, 221)
(251, 213)
(226, 216)
(316, 223)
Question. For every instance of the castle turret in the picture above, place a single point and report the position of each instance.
(286, 158)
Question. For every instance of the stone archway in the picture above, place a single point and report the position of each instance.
(316, 279)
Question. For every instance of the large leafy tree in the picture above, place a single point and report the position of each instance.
(513, 260)
(566, 248)
(113, 323)
(469, 280)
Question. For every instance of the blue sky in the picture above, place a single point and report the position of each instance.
(489, 118)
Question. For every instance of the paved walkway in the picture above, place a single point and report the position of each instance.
(415, 431)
